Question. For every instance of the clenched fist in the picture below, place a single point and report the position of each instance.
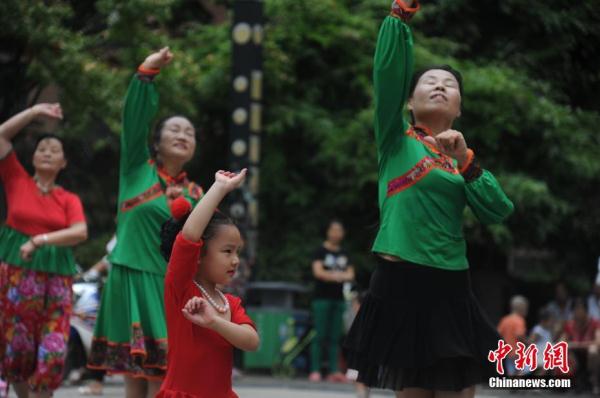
(199, 311)
(158, 59)
(450, 143)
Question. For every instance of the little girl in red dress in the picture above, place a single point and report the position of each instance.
(203, 324)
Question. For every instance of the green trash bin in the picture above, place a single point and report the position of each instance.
(272, 325)
(271, 307)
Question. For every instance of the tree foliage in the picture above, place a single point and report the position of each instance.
(529, 110)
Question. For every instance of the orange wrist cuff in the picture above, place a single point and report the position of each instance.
(148, 71)
(404, 12)
(470, 156)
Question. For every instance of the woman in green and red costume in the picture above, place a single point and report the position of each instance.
(131, 335)
(36, 262)
(420, 330)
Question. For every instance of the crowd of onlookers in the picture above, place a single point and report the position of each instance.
(575, 320)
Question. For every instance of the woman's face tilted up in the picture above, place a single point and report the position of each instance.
(436, 95)
(177, 140)
(49, 156)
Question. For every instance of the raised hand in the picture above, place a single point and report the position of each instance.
(199, 311)
(53, 111)
(230, 180)
(451, 143)
(158, 59)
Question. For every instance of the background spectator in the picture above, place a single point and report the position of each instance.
(582, 334)
(513, 328)
(331, 268)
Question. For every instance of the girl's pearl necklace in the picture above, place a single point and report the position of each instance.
(220, 308)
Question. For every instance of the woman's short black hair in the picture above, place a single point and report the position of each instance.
(330, 222)
(46, 136)
(172, 227)
(420, 72)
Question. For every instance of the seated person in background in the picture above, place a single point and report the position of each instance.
(541, 334)
(562, 305)
(512, 328)
(582, 334)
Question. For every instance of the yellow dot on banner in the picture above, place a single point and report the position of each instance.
(241, 33)
(238, 147)
(240, 83)
(240, 115)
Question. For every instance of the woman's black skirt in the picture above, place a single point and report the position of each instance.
(420, 327)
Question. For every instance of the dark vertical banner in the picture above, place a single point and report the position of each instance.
(246, 115)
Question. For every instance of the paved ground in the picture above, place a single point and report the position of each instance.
(269, 387)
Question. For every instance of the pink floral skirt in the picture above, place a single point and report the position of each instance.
(34, 326)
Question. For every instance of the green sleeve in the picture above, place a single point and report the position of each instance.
(141, 105)
(487, 200)
(392, 71)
